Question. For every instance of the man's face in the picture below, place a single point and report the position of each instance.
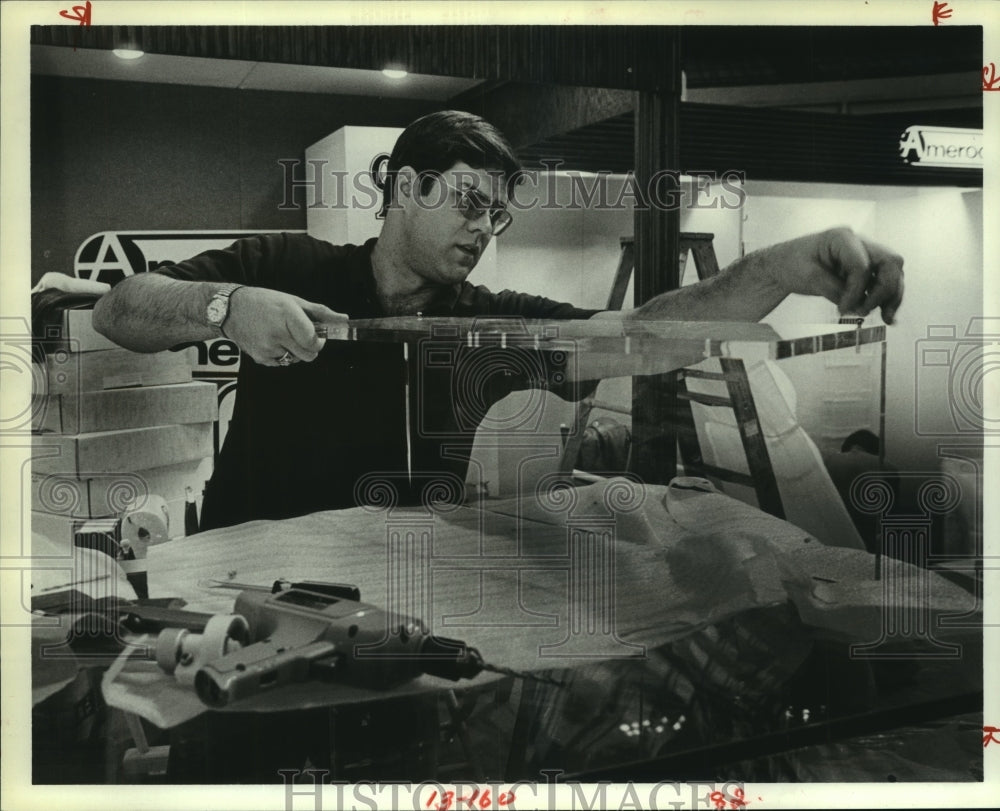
(444, 237)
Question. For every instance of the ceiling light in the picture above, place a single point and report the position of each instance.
(394, 73)
(127, 53)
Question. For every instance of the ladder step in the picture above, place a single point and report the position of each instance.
(702, 375)
(705, 399)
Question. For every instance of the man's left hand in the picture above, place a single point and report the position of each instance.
(854, 273)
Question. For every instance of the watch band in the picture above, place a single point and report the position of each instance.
(226, 292)
(221, 297)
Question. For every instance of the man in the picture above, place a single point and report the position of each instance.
(310, 422)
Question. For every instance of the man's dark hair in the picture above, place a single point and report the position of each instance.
(436, 142)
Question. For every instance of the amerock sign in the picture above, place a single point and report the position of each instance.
(950, 147)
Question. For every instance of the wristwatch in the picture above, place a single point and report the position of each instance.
(218, 306)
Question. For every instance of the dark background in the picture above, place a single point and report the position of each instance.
(109, 155)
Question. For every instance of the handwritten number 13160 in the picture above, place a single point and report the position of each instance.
(484, 801)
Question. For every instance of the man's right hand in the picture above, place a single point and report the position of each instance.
(265, 324)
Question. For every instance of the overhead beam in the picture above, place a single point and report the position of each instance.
(867, 95)
(555, 109)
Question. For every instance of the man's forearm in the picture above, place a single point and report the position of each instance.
(742, 292)
(854, 273)
(150, 312)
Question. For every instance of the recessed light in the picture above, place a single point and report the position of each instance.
(128, 53)
(393, 73)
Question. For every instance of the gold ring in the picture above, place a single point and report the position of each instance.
(285, 360)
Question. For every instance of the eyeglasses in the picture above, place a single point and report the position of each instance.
(472, 206)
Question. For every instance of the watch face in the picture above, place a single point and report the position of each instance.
(216, 311)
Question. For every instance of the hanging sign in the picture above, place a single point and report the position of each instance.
(950, 147)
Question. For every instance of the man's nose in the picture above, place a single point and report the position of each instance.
(482, 223)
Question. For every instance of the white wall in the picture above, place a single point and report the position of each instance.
(940, 234)
(774, 212)
(570, 253)
(558, 249)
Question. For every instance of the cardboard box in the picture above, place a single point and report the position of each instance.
(73, 373)
(97, 495)
(139, 407)
(120, 451)
(76, 334)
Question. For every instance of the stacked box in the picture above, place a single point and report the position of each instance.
(111, 409)
(72, 373)
(113, 429)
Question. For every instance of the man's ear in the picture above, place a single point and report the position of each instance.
(405, 182)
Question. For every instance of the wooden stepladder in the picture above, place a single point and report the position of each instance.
(698, 244)
(681, 422)
(740, 400)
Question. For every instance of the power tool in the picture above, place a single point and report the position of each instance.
(301, 631)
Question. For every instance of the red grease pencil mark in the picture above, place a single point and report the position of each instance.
(80, 14)
(736, 800)
(940, 12)
(990, 79)
(480, 799)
